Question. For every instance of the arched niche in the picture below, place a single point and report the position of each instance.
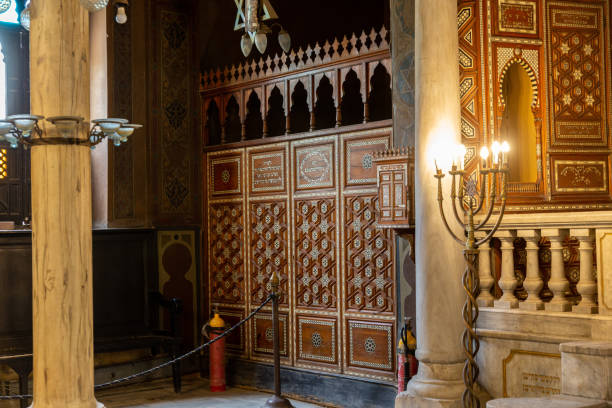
(518, 124)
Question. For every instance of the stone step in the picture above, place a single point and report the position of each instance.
(553, 402)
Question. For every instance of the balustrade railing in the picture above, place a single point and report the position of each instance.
(547, 264)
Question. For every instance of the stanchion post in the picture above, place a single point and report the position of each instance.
(276, 401)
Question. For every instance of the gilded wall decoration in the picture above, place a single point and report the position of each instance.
(581, 176)
(175, 126)
(516, 16)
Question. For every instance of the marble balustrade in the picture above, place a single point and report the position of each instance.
(547, 267)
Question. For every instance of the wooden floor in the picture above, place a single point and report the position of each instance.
(195, 394)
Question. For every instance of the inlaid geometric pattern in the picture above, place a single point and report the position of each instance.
(577, 73)
(370, 345)
(369, 258)
(315, 243)
(226, 252)
(268, 248)
(3, 164)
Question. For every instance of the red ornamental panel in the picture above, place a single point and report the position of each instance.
(315, 233)
(226, 253)
(268, 248)
(369, 257)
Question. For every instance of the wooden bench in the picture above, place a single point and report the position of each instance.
(16, 351)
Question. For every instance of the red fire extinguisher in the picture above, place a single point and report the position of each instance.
(406, 361)
(211, 330)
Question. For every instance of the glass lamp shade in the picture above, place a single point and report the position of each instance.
(108, 126)
(94, 5)
(4, 5)
(121, 17)
(284, 40)
(67, 126)
(25, 123)
(5, 128)
(261, 41)
(126, 130)
(246, 44)
(12, 140)
(24, 18)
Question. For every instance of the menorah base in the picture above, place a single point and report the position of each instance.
(277, 402)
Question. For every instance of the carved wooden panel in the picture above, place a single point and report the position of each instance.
(370, 345)
(225, 175)
(314, 166)
(268, 172)
(317, 339)
(370, 274)
(235, 341)
(315, 246)
(577, 84)
(575, 176)
(263, 334)
(226, 261)
(358, 159)
(516, 17)
(268, 248)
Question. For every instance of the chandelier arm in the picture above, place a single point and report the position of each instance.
(492, 197)
(440, 200)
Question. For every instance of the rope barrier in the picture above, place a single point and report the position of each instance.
(167, 363)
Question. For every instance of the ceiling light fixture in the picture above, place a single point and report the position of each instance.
(250, 17)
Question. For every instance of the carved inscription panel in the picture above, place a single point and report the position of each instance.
(517, 16)
(574, 176)
(314, 166)
(315, 233)
(531, 374)
(268, 172)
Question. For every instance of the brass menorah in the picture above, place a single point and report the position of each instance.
(467, 201)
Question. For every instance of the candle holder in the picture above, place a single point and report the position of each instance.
(470, 199)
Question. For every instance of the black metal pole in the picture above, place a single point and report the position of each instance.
(276, 401)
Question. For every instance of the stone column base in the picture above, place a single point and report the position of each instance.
(434, 386)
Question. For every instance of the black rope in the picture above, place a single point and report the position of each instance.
(167, 363)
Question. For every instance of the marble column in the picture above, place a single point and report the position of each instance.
(439, 259)
(587, 286)
(61, 210)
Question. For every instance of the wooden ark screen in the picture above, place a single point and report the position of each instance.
(562, 49)
(306, 207)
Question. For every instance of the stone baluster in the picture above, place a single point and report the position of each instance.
(558, 283)
(533, 281)
(507, 281)
(587, 286)
(485, 299)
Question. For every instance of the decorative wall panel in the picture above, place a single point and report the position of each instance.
(235, 341)
(575, 176)
(226, 261)
(316, 245)
(268, 248)
(317, 340)
(315, 225)
(517, 17)
(577, 83)
(359, 166)
(370, 275)
(263, 334)
(314, 166)
(370, 345)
